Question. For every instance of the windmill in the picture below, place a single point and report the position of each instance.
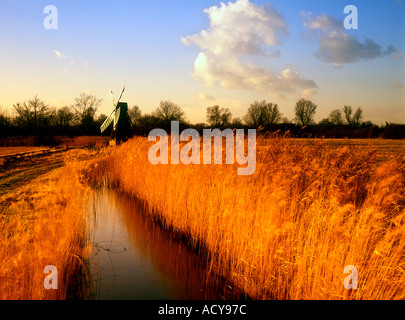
(119, 117)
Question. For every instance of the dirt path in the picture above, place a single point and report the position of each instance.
(18, 169)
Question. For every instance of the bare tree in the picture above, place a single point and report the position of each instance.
(64, 117)
(305, 111)
(261, 113)
(5, 119)
(135, 114)
(348, 114)
(237, 123)
(32, 114)
(356, 119)
(218, 117)
(336, 117)
(273, 114)
(85, 107)
(168, 111)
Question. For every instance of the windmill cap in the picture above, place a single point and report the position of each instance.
(122, 105)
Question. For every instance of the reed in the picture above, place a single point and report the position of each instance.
(288, 231)
(41, 224)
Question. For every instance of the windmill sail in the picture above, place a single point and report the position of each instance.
(107, 122)
(122, 92)
(115, 115)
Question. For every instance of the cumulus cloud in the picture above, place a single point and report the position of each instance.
(243, 29)
(231, 73)
(338, 47)
(240, 28)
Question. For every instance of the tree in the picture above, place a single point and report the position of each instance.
(100, 119)
(336, 117)
(85, 108)
(147, 122)
(237, 123)
(355, 120)
(261, 113)
(168, 111)
(5, 122)
(218, 117)
(305, 112)
(64, 117)
(135, 114)
(357, 117)
(348, 114)
(285, 120)
(32, 114)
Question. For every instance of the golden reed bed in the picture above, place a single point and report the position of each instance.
(44, 223)
(286, 232)
(289, 230)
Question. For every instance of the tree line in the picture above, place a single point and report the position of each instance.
(35, 117)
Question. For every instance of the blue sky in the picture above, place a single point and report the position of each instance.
(174, 50)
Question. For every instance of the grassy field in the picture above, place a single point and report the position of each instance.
(287, 232)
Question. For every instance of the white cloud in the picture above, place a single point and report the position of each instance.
(240, 28)
(59, 54)
(337, 46)
(243, 28)
(231, 73)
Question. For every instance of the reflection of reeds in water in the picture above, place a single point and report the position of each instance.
(288, 231)
(188, 271)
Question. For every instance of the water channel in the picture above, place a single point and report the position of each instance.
(134, 258)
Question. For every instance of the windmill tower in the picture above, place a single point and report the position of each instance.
(121, 121)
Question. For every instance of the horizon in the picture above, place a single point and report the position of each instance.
(184, 52)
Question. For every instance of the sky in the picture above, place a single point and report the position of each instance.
(201, 53)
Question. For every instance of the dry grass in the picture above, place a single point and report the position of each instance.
(43, 223)
(63, 141)
(288, 231)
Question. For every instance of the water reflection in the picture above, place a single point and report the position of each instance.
(134, 258)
